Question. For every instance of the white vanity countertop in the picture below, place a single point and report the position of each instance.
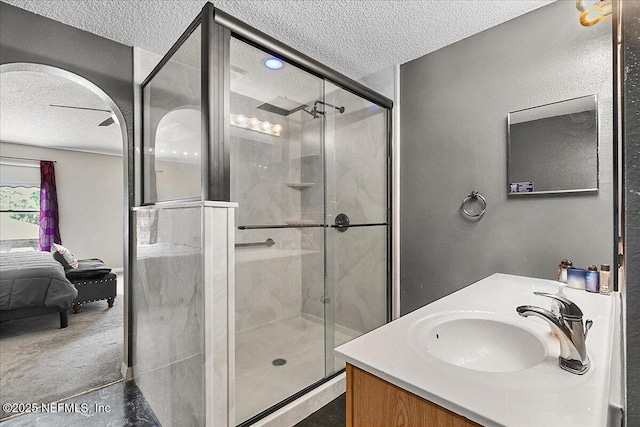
(544, 395)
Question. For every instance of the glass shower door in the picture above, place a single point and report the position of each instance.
(308, 164)
(277, 180)
(356, 170)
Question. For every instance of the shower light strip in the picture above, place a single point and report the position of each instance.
(255, 124)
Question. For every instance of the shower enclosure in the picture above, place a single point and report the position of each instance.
(231, 115)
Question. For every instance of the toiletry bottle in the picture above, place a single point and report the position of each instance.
(592, 278)
(562, 263)
(576, 278)
(562, 270)
(605, 279)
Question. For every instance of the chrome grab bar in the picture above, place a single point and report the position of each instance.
(264, 227)
(268, 243)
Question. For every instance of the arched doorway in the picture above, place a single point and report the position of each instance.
(53, 114)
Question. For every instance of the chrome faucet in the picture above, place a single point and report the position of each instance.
(569, 328)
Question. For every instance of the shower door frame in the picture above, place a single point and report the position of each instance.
(217, 28)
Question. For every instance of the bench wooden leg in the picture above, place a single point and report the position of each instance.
(64, 319)
(77, 308)
(110, 301)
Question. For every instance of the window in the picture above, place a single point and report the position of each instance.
(19, 206)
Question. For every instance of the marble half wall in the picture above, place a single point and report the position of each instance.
(183, 294)
(168, 316)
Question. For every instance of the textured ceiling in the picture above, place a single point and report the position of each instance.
(354, 37)
(28, 117)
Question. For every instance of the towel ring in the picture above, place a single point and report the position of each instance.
(474, 196)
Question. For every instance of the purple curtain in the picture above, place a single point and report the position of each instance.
(49, 230)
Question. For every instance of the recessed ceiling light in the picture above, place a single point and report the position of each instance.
(273, 63)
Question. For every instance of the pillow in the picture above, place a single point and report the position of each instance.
(63, 256)
(87, 269)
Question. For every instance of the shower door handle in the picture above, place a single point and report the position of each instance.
(342, 223)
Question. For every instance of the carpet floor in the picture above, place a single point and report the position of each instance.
(41, 363)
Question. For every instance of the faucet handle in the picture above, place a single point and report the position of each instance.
(568, 308)
(587, 325)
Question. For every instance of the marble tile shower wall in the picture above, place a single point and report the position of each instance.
(261, 165)
(358, 267)
(356, 158)
(289, 278)
(268, 279)
(266, 173)
(356, 278)
(169, 316)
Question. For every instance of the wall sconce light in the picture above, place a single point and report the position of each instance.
(255, 124)
(591, 15)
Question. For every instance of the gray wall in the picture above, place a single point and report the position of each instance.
(454, 106)
(631, 28)
(27, 37)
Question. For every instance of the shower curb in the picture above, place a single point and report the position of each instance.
(306, 405)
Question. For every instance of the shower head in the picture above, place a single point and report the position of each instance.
(282, 106)
(280, 111)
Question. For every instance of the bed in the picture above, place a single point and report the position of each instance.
(32, 284)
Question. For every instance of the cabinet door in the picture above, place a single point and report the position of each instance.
(372, 402)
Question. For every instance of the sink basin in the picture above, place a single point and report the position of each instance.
(471, 353)
(479, 343)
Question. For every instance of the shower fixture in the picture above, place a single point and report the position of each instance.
(315, 112)
(288, 107)
(282, 106)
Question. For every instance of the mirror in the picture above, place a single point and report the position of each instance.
(553, 148)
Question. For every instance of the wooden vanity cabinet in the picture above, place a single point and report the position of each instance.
(373, 402)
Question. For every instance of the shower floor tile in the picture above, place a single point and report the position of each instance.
(260, 384)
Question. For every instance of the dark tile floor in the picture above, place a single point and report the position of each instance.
(119, 404)
(331, 415)
(122, 404)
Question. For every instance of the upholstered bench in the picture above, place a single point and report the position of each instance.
(93, 280)
(95, 289)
